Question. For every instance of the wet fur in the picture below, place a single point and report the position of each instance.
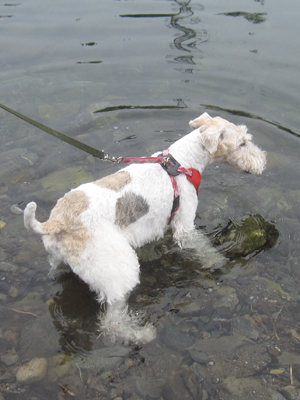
(96, 227)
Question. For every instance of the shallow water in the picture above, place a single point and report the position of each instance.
(127, 76)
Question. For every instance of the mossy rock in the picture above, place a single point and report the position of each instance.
(254, 234)
(66, 179)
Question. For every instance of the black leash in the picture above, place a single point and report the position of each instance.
(101, 154)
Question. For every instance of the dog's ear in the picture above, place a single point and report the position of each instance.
(202, 120)
(211, 137)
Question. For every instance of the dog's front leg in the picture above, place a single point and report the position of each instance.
(189, 238)
(200, 247)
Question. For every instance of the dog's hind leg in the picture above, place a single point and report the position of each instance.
(110, 267)
(119, 323)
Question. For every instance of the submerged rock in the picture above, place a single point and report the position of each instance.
(65, 179)
(183, 384)
(146, 388)
(104, 359)
(253, 235)
(9, 359)
(33, 371)
(59, 366)
(17, 165)
(224, 344)
(39, 337)
(175, 339)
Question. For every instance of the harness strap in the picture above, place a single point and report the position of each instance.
(141, 160)
(176, 200)
(173, 168)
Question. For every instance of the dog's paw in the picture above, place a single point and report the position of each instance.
(145, 334)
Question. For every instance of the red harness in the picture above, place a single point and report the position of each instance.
(173, 168)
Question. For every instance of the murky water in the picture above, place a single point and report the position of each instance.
(127, 76)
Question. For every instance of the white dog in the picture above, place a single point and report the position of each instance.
(96, 227)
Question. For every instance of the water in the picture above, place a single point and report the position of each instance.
(155, 65)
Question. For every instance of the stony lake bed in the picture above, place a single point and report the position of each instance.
(226, 334)
(128, 80)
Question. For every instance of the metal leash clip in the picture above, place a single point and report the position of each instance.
(112, 159)
(166, 160)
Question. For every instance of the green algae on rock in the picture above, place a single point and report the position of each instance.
(254, 234)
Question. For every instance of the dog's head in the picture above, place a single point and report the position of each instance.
(229, 143)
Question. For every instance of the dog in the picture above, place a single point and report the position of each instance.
(96, 227)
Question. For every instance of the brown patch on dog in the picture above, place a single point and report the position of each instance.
(115, 182)
(129, 208)
(66, 225)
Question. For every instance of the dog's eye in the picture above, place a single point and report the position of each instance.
(243, 144)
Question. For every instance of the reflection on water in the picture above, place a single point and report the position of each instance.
(249, 115)
(256, 18)
(190, 38)
(74, 311)
(180, 104)
(188, 34)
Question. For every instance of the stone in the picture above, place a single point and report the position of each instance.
(173, 338)
(224, 344)
(246, 388)
(242, 326)
(15, 226)
(146, 388)
(112, 393)
(16, 210)
(17, 164)
(33, 371)
(104, 359)
(8, 267)
(32, 298)
(66, 179)
(199, 356)
(3, 255)
(189, 309)
(59, 366)
(3, 297)
(252, 234)
(12, 337)
(13, 292)
(40, 337)
(286, 359)
(96, 383)
(182, 384)
(46, 111)
(229, 301)
(9, 359)
(276, 396)
(6, 377)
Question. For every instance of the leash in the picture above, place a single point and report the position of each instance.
(101, 154)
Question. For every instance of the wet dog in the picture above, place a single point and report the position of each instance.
(96, 227)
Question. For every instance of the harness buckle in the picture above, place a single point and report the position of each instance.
(170, 165)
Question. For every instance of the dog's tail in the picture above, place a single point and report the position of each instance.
(29, 219)
(49, 227)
